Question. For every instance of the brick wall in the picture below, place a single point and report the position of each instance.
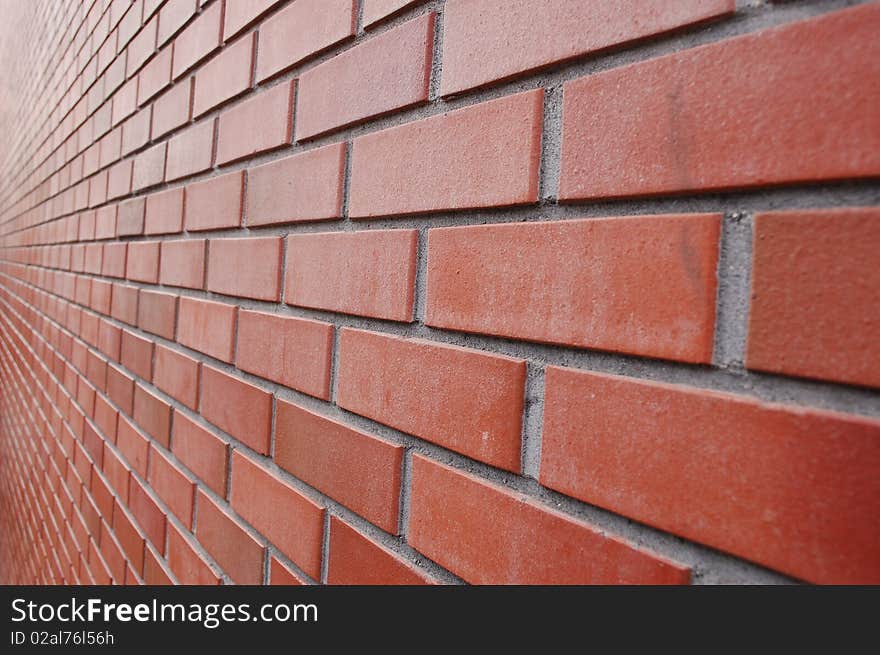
(494, 291)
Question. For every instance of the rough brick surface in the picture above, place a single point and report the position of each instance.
(298, 356)
(806, 317)
(261, 123)
(370, 274)
(475, 399)
(488, 40)
(509, 539)
(302, 292)
(359, 471)
(388, 72)
(566, 282)
(301, 30)
(426, 160)
(720, 469)
(817, 114)
(305, 187)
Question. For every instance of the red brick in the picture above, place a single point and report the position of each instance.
(130, 218)
(203, 453)
(83, 290)
(207, 327)
(809, 317)
(386, 73)
(133, 446)
(112, 553)
(143, 261)
(246, 267)
(198, 40)
(432, 164)
(130, 538)
(100, 297)
(149, 167)
(98, 189)
(172, 109)
(152, 414)
(237, 407)
(148, 514)
(290, 520)
(105, 416)
(489, 535)
(174, 15)
(356, 469)
(156, 572)
(157, 312)
(105, 222)
(376, 10)
(119, 180)
(141, 48)
(489, 40)
(476, 399)
(568, 282)
(786, 487)
(124, 101)
(136, 131)
(97, 563)
(172, 485)
(305, 187)
(357, 560)
(120, 389)
(185, 561)
(226, 76)
(301, 30)
(177, 375)
(191, 151)
(137, 354)
(370, 273)
(125, 303)
(113, 264)
(86, 228)
(260, 123)
(297, 355)
(155, 76)
(109, 340)
(164, 212)
(240, 13)
(281, 575)
(686, 121)
(240, 555)
(111, 145)
(93, 256)
(183, 263)
(214, 203)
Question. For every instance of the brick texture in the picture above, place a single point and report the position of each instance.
(360, 292)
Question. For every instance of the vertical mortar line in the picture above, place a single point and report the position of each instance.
(436, 57)
(227, 491)
(272, 424)
(405, 493)
(551, 144)
(325, 547)
(346, 180)
(420, 290)
(266, 559)
(733, 291)
(254, 53)
(334, 365)
(359, 18)
(533, 416)
(282, 272)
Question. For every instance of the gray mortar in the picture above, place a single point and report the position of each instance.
(709, 565)
(734, 266)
